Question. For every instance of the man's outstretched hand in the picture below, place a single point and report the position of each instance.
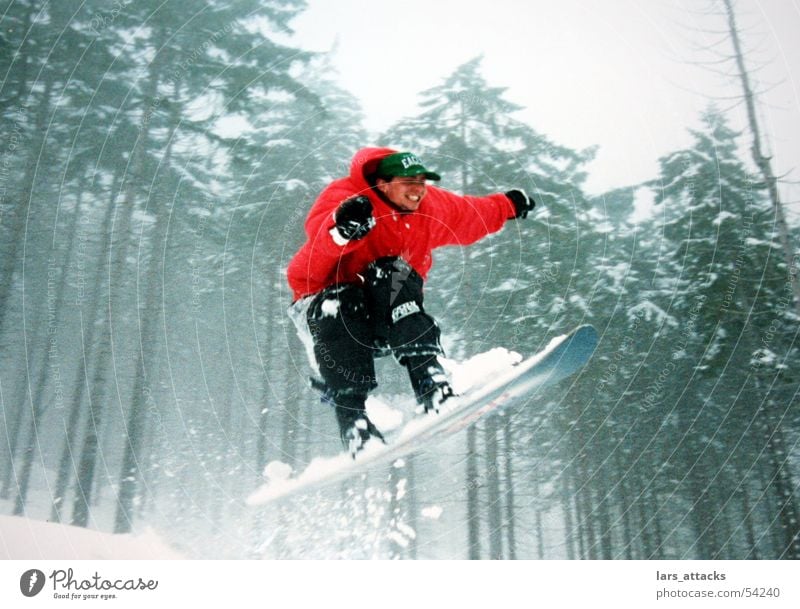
(522, 202)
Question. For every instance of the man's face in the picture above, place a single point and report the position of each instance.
(405, 192)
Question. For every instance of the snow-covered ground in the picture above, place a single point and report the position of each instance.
(26, 539)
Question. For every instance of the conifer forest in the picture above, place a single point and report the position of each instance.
(149, 372)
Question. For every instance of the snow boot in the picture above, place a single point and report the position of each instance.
(357, 433)
(429, 381)
(434, 394)
(355, 428)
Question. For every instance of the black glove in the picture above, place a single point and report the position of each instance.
(522, 202)
(354, 217)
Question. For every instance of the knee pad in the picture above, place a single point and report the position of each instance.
(394, 296)
(394, 292)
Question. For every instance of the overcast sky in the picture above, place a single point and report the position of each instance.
(615, 73)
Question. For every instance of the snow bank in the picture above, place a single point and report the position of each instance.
(480, 368)
(26, 539)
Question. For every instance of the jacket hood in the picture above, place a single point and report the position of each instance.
(365, 162)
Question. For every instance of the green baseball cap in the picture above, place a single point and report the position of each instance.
(405, 164)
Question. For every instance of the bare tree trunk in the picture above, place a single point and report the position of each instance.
(94, 361)
(142, 388)
(495, 517)
(604, 526)
(646, 517)
(14, 217)
(31, 439)
(580, 520)
(624, 505)
(473, 507)
(71, 422)
(23, 477)
(19, 216)
(142, 393)
(538, 524)
(658, 535)
(133, 428)
(763, 162)
(703, 513)
(291, 412)
(788, 512)
(413, 507)
(583, 496)
(269, 384)
(14, 434)
(44, 327)
(567, 506)
(13, 258)
(511, 516)
(788, 517)
(747, 514)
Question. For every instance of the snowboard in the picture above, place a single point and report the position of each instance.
(564, 356)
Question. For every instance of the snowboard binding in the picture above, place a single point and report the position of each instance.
(433, 394)
(429, 381)
(356, 434)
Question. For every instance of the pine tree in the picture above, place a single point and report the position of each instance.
(726, 291)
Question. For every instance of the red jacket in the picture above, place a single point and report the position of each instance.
(443, 218)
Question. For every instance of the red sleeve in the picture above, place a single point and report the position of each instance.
(316, 261)
(463, 220)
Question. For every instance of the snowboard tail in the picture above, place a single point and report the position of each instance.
(563, 357)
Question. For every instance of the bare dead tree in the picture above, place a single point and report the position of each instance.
(762, 161)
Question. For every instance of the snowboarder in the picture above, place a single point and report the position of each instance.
(357, 281)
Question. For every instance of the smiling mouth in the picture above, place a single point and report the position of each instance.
(414, 198)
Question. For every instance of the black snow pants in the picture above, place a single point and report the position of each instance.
(351, 324)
